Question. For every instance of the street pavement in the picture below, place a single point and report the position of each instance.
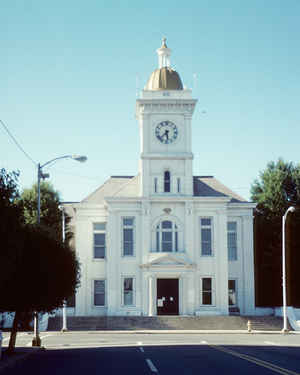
(159, 353)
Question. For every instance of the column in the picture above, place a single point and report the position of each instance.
(150, 302)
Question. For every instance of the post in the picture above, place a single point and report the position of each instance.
(283, 278)
(284, 313)
(36, 341)
(64, 310)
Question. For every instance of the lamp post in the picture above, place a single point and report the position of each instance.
(36, 341)
(64, 309)
(284, 329)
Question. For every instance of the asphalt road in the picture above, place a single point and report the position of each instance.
(109, 353)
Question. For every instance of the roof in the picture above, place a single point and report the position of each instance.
(128, 187)
(115, 186)
(208, 186)
(164, 79)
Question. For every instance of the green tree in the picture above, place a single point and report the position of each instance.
(44, 272)
(37, 271)
(50, 215)
(10, 225)
(277, 188)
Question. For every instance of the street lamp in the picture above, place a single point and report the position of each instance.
(64, 310)
(36, 341)
(284, 329)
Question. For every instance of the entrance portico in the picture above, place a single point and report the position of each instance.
(167, 280)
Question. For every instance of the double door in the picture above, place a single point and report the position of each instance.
(167, 297)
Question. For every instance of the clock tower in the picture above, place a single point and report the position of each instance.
(164, 112)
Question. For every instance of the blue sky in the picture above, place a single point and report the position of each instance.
(69, 69)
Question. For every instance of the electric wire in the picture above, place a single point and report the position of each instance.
(17, 143)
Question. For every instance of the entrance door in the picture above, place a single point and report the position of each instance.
(167, 297)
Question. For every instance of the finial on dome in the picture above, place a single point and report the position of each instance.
(164, 55)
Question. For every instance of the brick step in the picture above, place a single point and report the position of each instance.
(269, 323)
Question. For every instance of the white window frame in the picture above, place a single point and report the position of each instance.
(211, 226)
(230, 257)
(105, 293)
(212, 291)
(133, 290)
(236, 292)
(99, 231)
(133, 227)
(158, 236)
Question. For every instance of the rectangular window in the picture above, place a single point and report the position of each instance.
(178, 185)
(155, 184)
(207, 291)
(232, 240)
(128, 236)
(99, 240)
(128, 291)
(99, 292)
(206, 236)
(232, 293)
(167, 182)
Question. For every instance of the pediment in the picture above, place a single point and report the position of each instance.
(169, 261)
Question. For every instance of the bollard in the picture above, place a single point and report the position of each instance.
(1, 337)
(249, 326)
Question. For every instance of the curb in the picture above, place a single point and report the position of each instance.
(155, 332)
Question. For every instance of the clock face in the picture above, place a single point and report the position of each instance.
(166, 132)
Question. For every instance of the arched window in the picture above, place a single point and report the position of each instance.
(166, 237)
(167, 182)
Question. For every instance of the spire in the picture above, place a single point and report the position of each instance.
(164, 54)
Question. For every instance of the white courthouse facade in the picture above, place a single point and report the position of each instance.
(164, 242)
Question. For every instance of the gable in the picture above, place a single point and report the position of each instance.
(169, 260)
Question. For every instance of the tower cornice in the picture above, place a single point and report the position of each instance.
(184, 106)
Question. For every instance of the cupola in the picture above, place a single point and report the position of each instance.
(164, 78)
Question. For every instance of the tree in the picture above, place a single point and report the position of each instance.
(277, 188)
(44, 273)
(50, 214)
(37, 271)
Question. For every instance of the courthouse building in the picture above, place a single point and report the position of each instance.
(164, 242)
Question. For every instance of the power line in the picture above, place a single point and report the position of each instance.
(17, 143)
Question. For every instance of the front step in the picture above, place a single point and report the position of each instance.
(120, 323)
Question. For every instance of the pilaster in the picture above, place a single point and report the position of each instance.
(248, 265)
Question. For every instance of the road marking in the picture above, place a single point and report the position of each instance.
(151, 365)
(141, 349)
(257, 361)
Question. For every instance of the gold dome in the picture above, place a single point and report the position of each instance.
(164, 79)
